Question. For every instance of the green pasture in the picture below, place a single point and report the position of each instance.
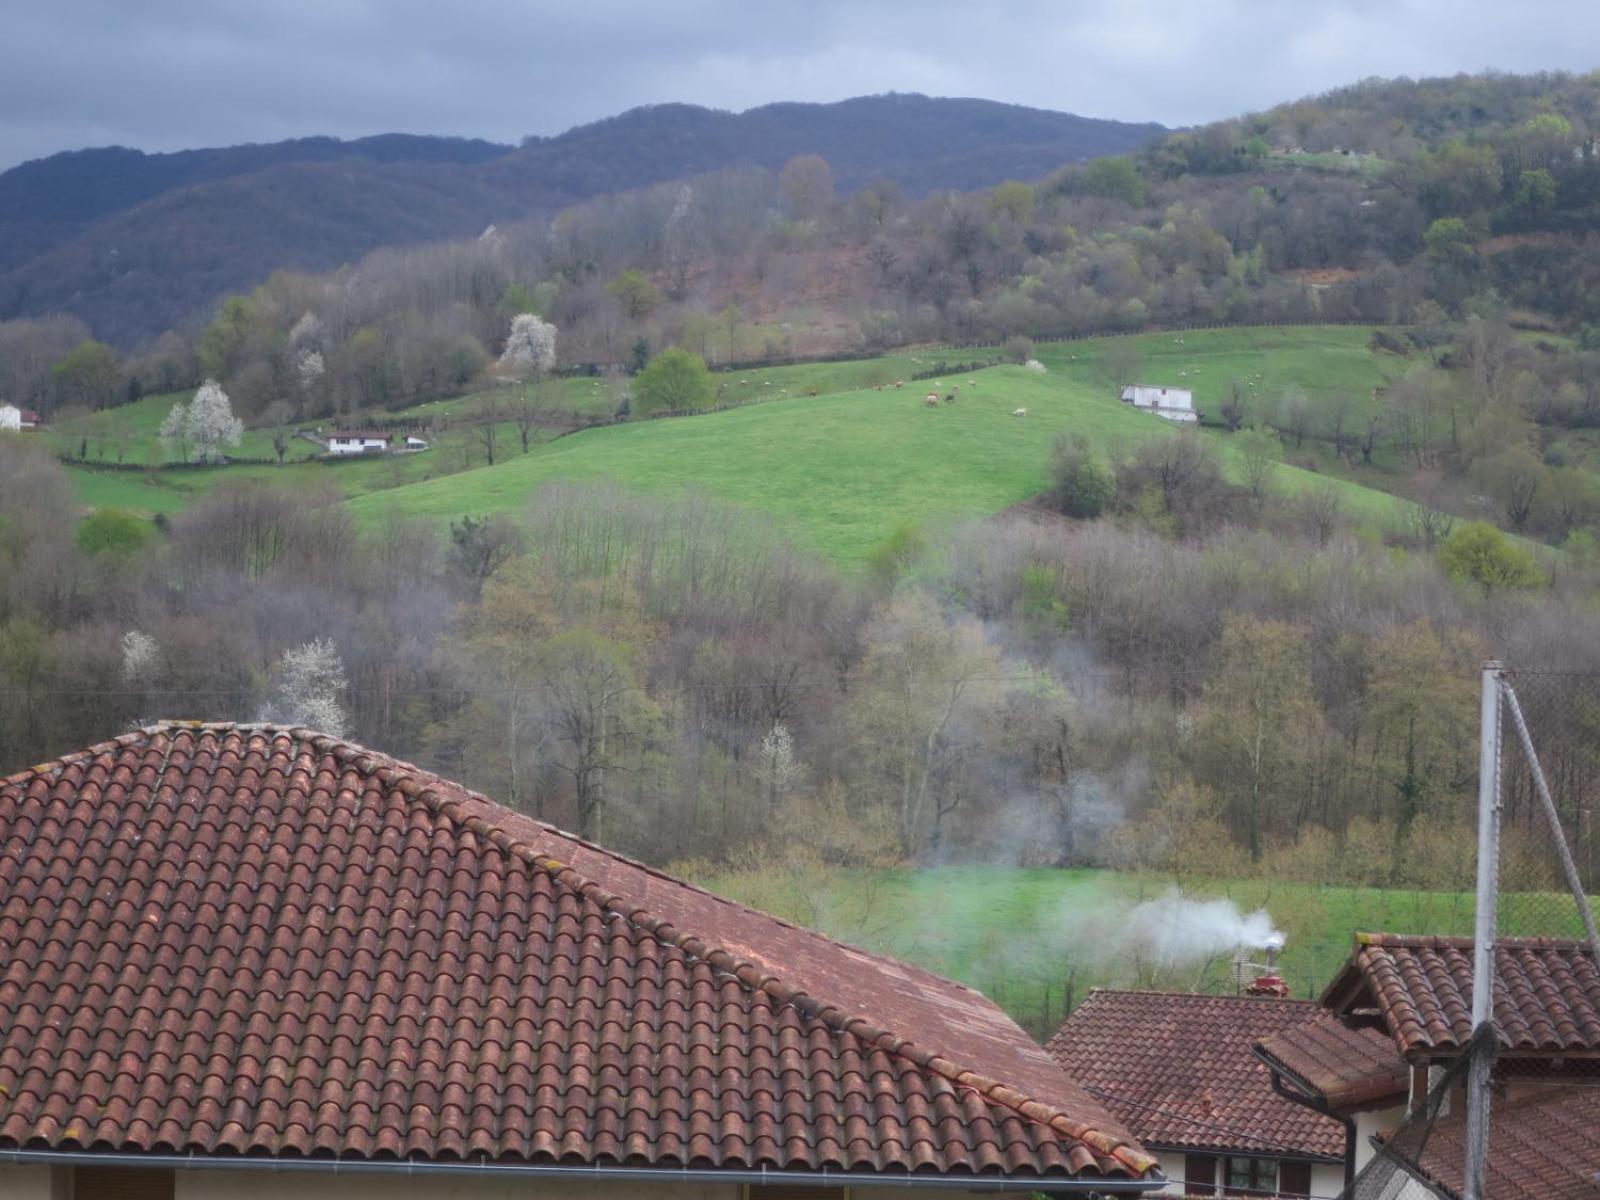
(841, 471)
(1037, 939)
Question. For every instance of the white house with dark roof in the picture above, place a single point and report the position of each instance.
(1175, 404)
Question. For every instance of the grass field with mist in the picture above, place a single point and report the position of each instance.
(1036, 939)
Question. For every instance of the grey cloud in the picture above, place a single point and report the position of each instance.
(168, 74)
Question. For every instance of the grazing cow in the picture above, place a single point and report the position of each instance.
(931, 398)
(950, 398)
(1020, 412)
(899, 383)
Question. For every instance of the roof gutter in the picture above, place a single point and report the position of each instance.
(487, 1169)
(1295, 1096)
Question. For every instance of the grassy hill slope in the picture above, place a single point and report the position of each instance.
(843, 470)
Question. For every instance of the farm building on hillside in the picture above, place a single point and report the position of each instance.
(18, 420)
(240, 961)
(1179, 1071)
(358, 441)
(1401, 1010)
(1175, 404)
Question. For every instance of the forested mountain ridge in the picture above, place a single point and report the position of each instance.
(133, 243)
(46, 200)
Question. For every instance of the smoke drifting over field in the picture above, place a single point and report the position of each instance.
(1175, 930)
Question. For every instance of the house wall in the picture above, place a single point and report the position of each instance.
(1327, 1179)
(1155, 397)
(1383, 1120)
(265, 1185)
(353, 447)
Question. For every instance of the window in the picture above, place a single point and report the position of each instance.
(1199, 1175)
(1294, 1179)
(758, 1191)
(116, 1183)
(1252, 1177)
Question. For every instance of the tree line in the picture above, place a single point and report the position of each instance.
(674, 678)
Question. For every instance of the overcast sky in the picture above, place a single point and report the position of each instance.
(171, 74)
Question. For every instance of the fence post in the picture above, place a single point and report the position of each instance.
(1484, 930)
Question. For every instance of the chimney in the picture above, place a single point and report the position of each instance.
(1271, 983)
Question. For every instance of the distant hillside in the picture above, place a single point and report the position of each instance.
(133, 243)
(46, 201)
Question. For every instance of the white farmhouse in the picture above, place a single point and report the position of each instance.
(1175, 404)
(10, 418)
(358, 441)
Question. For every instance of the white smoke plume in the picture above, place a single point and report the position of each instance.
(1174, 929)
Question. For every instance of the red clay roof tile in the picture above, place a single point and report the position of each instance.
(1542, 1146)
(1179, 1071)
(1343, 1066)
(1546, 995)
(241, 940)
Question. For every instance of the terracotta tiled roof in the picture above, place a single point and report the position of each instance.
(1546, 994)
(1180, 1072)
(240, 940)
(1542, 1146)
(1342, 1066)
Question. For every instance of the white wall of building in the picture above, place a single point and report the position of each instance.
(356, 445)
(1175, 404)
(1327, 1179)
(1383, 1120)
(10, 417)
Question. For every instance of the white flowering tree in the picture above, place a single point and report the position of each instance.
(175, 430)
(141, 657)
(777, 769)
(307, 332)
(211, 422)
(308, 687)
(531, 346)
(309, 368)
(141, 670)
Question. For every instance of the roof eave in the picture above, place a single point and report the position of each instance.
(488, 1169)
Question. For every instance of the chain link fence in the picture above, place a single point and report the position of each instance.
(1516, 1114)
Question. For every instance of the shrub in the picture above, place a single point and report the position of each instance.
(1479, 553)
(1081, 481)
(675, 381)
(112, 531)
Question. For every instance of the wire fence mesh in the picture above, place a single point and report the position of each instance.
(1556, 716)
(1516, 1112)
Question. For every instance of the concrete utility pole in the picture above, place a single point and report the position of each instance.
(1484, 931)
